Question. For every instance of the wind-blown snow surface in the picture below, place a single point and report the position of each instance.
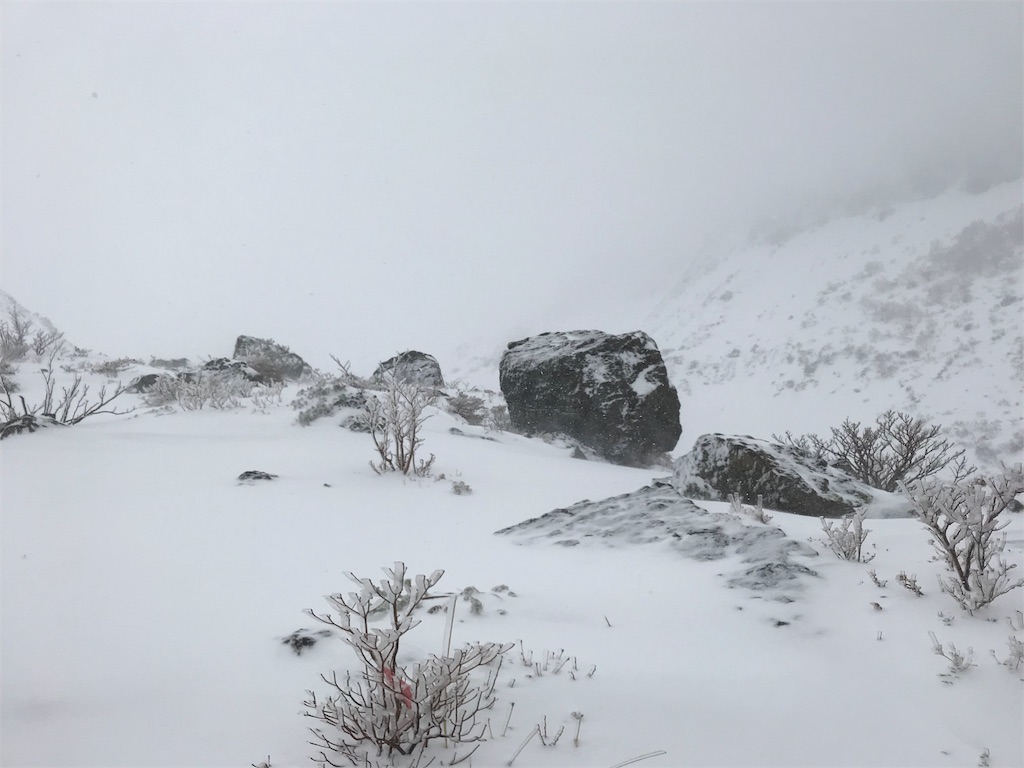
(146, 592)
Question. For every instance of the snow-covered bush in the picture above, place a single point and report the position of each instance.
(193, 392)
(964, 522)
(959, 663)
(395, 417)
(1015, 658)
(898, 449)
(388, 707)
(847, 537)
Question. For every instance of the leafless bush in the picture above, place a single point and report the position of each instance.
(460, 488)
(959, 663)
(7, 372)
(193, 392)
(15, 335)
(847, 537)
(909, 583)
(45, 341)
(497, 419)
(70, 406)
(964, 522)
(396, 417)
(387, 707)
(469, 407)
(113, 368)
(898, 449)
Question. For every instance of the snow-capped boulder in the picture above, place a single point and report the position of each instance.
(611, 393)
(274, 361)
(414, 367)
(786, 478)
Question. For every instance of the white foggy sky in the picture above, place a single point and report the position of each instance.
(365, 178)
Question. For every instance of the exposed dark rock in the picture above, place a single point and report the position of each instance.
(786, 478)
(303, 639)
(414, 367)
(142, 384)
(27, 423)
(275, 362)
(611, 393)
(255, 474)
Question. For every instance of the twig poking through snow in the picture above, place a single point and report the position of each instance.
(638, 758)
(522, 746)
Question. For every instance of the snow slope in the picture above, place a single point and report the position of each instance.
(146, 594)
(918, 307)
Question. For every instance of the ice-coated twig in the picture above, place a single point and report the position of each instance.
(535, 731)
(638, 758)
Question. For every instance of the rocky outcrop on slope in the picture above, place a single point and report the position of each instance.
(659, 513)
(275, 362)
(786, 478)
(414, 367)
(611, 393)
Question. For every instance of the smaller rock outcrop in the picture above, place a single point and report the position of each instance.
(142, 384)
(787, 479)
(414, 367)
(229, 367)
(611, 393)
(273, 361)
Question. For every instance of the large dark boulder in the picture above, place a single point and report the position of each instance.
(273, 361)
(412, 367)
(611, 393)
(787, 479)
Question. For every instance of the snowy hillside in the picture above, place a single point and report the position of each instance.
(918, 307)
(149, 597)
(9, 305)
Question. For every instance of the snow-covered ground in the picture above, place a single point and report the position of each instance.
(146, 594)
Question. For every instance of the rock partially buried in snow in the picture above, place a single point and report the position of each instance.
(272, 360)
(611, 393)
(659, 513)
(786, 478)
(251, 475)
(414, 367)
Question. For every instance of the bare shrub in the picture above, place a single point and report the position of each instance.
(395, 417)
(497, 419)
(45, 341)
(193, 392)
(469, 407)
(387, 707)
(113, 368)
(70, 406)
(15, 335)
(847, 537)
(898, 449)
(964, 522)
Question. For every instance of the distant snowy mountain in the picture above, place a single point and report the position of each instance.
(9, 304)
(918, 307)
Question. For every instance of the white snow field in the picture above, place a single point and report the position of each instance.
(146, 594)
